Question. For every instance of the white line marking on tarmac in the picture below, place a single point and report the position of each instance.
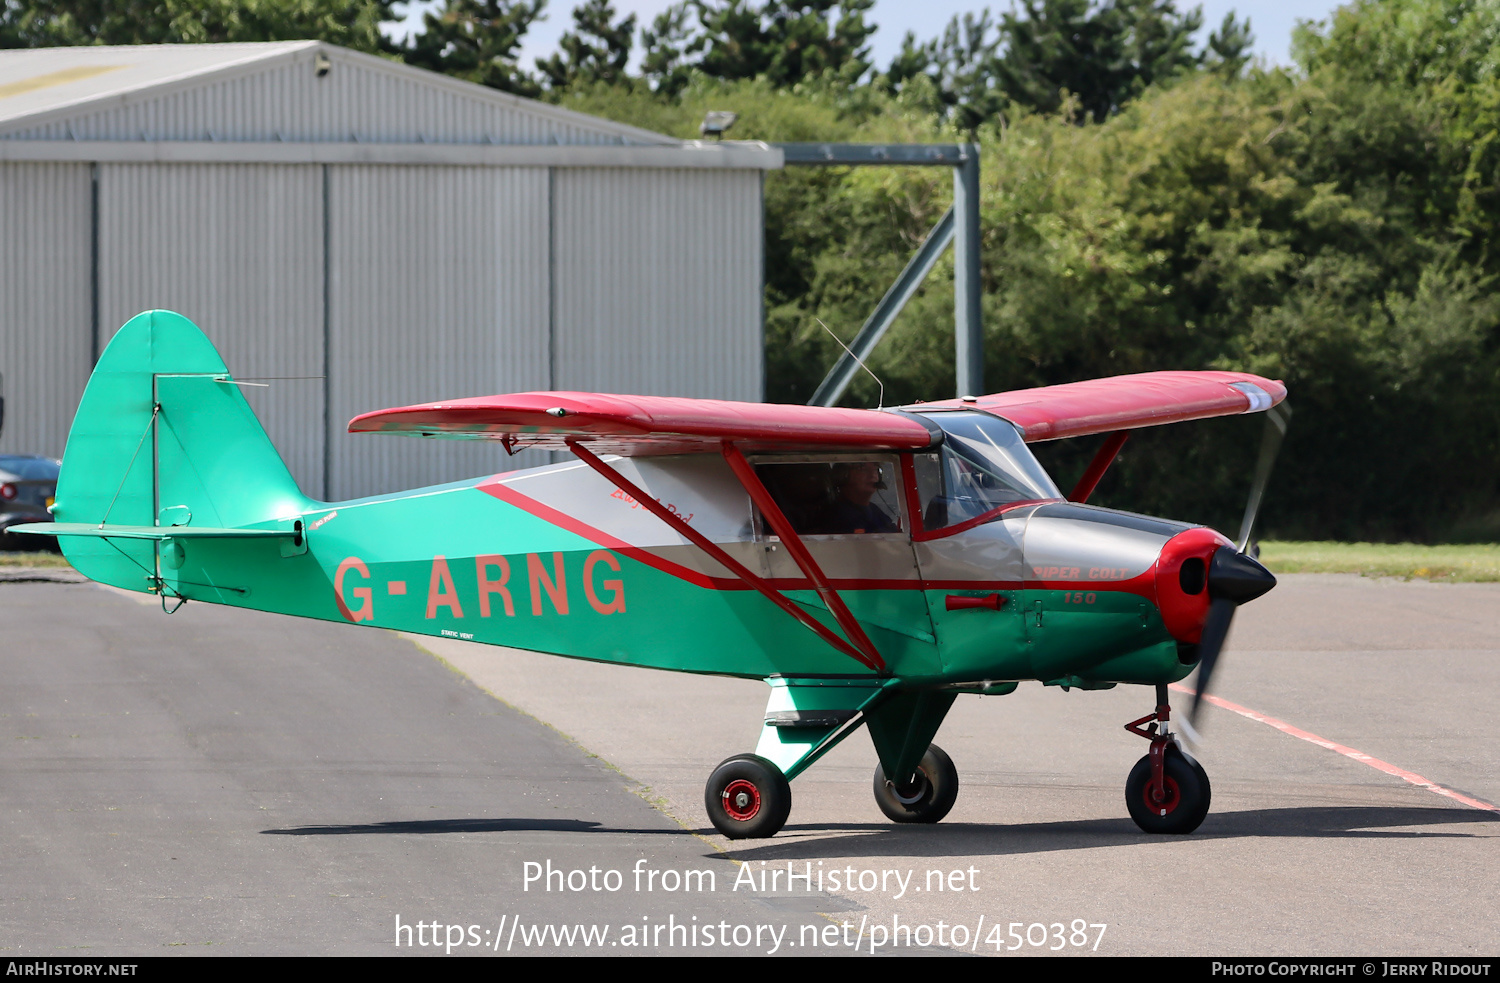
(1348, 752)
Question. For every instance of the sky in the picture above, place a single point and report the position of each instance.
(1270, 20)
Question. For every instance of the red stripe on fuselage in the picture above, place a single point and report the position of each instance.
(1142, 585)
(564, 521)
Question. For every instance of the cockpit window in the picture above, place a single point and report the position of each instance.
(982, 465)
(835, 498)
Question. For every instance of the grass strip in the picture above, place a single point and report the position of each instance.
(1459, 563)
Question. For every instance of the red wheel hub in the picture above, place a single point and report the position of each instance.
(742, 800)
(1167, 802)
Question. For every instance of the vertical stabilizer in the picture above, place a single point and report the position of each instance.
(163, 437)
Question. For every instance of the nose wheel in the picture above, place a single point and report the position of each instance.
(927, 798)
(1180, 806)
(1167, 791)
(747, 798)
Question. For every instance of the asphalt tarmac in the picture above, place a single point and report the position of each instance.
(228, 782)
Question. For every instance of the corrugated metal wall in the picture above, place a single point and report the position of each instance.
(45, 330)
(439, 284)
(439, 290)
(238, 249)
(658, 282)
(356, 101)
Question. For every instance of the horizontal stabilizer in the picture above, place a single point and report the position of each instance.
(148, 532)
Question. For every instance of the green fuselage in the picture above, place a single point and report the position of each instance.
(455, 562)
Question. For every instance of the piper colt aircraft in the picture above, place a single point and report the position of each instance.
(870, 565)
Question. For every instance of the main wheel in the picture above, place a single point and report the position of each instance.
(928, 797)
(747, 797)
(1185, 803)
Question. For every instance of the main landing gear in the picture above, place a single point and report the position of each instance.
(1167, 791)
(747, 798)
(927, 798)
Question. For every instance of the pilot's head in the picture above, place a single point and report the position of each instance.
(858, 481)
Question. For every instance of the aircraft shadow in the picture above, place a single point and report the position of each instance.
(976, 839)
(427, 827)
(971, 839)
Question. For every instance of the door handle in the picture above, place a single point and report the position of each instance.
(958, 602)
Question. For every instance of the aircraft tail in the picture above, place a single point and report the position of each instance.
(164, 440)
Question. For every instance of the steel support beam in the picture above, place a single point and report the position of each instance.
(968, 331)
(968, 327)
(831, 390)
(874, 154)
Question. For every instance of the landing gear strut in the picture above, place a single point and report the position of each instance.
(1167, 791)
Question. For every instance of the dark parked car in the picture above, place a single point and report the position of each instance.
(27, 484)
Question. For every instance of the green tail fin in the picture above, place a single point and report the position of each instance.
(163, 437)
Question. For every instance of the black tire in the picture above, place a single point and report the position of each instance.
(1188, 796)
(928, 798)
(747, 798)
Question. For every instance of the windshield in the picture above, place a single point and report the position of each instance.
(983, 465)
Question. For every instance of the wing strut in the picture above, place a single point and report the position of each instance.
(730, 563)
(1100, 464)
(798, 549)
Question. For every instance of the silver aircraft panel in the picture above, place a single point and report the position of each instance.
(863, 556)
(1065, 541)
(699, 487)
(989, 552)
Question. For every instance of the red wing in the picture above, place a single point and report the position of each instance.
(672, 425)
(647, 424)
(1124, 402)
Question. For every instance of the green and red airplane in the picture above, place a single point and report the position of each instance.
(869, 565)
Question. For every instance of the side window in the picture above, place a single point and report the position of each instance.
(835, 498)
(932, 501)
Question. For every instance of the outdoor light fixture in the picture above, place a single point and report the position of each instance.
(717, 122)
(322, 64)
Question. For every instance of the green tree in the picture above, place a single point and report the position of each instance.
(1228, 48)
(477, 40)
(53, 23)
(595, 51)
(960, 68)
(1411, 42)
(1103, 55)
(784, 41)
(669, 44)
(1091, 57)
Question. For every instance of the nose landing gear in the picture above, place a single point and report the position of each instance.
(1167, 791)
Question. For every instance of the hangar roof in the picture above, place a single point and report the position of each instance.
(272, 92)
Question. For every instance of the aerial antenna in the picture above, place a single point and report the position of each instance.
(881, 401)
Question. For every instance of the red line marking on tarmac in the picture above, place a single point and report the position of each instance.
(1348, 752)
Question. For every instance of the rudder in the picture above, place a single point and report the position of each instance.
(164, 437)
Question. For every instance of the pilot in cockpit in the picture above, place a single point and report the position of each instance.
(853, 509)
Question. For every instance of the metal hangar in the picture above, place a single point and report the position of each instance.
(360, 234)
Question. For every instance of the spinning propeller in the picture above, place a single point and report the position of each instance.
(1234, 576)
